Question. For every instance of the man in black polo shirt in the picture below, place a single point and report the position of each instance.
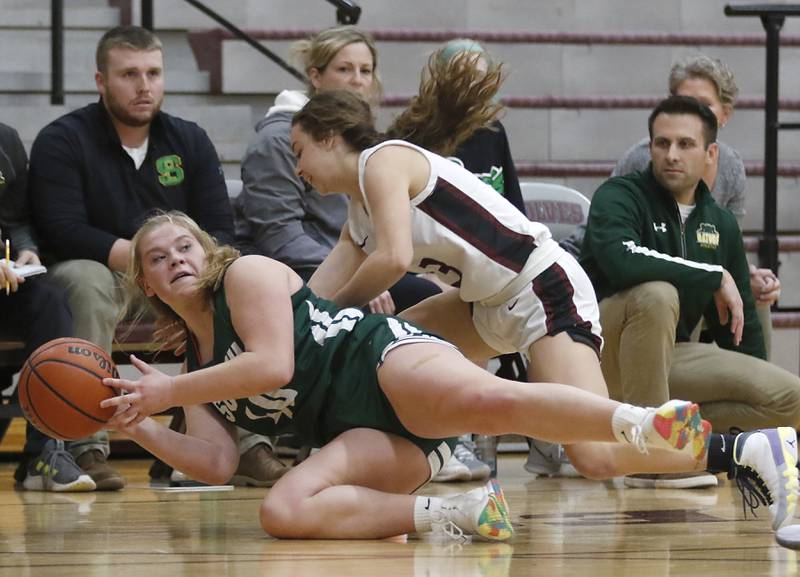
(96, 174)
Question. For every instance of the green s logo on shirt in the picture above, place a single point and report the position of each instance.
(170, 170)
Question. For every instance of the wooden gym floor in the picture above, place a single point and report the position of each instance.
(563, 527)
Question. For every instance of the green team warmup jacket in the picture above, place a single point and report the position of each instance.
(634, 235)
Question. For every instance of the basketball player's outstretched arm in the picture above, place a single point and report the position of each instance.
(258, 291)
(386, 182)
(338, 266)
(207, 452)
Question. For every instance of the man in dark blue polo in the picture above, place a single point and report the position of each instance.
(96, 174)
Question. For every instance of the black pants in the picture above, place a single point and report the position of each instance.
(38, 312)
(406, 292)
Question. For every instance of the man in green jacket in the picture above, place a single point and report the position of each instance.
(663, 256)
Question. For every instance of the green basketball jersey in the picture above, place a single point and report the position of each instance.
(334, 387)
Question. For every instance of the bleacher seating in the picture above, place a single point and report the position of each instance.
(559, 207)
(571, 113)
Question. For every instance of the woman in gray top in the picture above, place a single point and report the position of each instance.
(287, 219)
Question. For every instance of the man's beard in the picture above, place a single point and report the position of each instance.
(118, 112)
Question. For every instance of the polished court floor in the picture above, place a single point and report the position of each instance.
(563, 527)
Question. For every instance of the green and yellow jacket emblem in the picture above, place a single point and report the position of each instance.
(707, 235)
(170, 170)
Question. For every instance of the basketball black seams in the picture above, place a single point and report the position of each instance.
(58, 394)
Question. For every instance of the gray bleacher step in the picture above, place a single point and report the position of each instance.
(74, 17)
(32, 54)
(593, 134)
(24, 82)
(506, 15)
(228, 126)
(533, 69)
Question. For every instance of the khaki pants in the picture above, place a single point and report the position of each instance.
(642, 365)
(96, 298)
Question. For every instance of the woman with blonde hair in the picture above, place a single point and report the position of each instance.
(381, 397)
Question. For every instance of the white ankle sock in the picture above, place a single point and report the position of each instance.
(624, 419)
(424, 508)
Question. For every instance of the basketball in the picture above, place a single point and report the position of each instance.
(60, 388)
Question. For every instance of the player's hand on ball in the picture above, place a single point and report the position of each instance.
(123, 419)
(151, 394)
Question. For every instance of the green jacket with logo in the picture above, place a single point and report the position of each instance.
(634, 235)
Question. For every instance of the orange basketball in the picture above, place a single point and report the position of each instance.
(60, 388)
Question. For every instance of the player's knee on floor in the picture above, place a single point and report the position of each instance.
(276, 519)
(285, 516)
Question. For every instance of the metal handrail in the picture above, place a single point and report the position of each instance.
(347, 11)
(772, 18)
(57, 52)
(147, 7)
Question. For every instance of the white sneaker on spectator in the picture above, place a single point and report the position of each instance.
(691, 480)
(464, 452)
(547, 459)
(453, 470)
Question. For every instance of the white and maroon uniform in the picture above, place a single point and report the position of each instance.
(522, 284)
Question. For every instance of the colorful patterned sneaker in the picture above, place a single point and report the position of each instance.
(675, 425)
(764, 465)
(482, 513)
(55, 470)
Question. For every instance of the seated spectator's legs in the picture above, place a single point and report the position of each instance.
(642, 366)
(96, 300)
(40, 311)
(734, 389)
(765, 318)
(638, 341)
(410, 290)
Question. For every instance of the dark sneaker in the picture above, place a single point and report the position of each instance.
(104, 475)
(55, 470)
(692, 480)
(258, 467)
(764, 465)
